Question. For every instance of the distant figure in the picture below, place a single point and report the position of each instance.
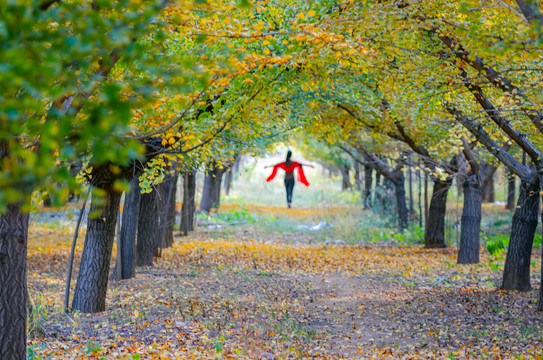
(289, 167)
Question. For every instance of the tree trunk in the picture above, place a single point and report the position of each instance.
(147, 243)
(167, 211)
(208, 191)
(237, 164)
(411, 202)
(468, 252)
(357, 176)
(377, 192)
(540, 303)
(421, 213)
(386, 202)
(516, 272)
(368, 178)
(13, 291)
(188, 208)
(425, 199)
(434, 234)
(216, 195)
(511, 191)
(399, 183)
(489, 193)
(91, 288)
(128, 230)
(345, 176)
(228, 181)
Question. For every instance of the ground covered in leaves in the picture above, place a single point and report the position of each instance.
(264, 283)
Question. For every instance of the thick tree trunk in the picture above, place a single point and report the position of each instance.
(216, 194)
(148, 242)
(91, 288)
(128, 230)
(511, 191)
(172, 213)
(434, 233)
(13, 291)
(489, 192)
(368, 178)
(401, 206)
(188, 208)
(516, 272)
(208, 192)
(468, 252)
(167, 211)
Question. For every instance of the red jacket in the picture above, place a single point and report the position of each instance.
(289, 169)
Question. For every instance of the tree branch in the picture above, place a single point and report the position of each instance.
(484, 138)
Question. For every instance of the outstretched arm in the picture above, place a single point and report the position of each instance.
(307, 165)
(269, 166)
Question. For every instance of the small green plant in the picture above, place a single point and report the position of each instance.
(496, 244)
(219, 344)
(31, 352)
(36, 317)
(93, 347)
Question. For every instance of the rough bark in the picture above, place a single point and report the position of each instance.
(211, 193)
(208, 191)
(511, 191)
(434, 233)
(216, 190)
(470, 226)
(489, 192)
(425, 199)
(91, 288)
(516, 272)
(368, 178)
(147, 238)
(128, 230)
(394, 178)
(71, 259)
(399, 183)
(13, 291)
(167, 211)
(188, 208)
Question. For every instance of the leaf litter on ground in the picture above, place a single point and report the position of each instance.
(254, 293)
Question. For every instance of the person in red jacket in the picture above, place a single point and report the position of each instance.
(289, 166)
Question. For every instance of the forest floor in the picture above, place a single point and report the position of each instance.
(265, 282)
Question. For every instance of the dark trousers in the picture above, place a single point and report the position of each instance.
(289, 186)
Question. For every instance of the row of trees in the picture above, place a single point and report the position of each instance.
(445, 83)
(126, 90)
